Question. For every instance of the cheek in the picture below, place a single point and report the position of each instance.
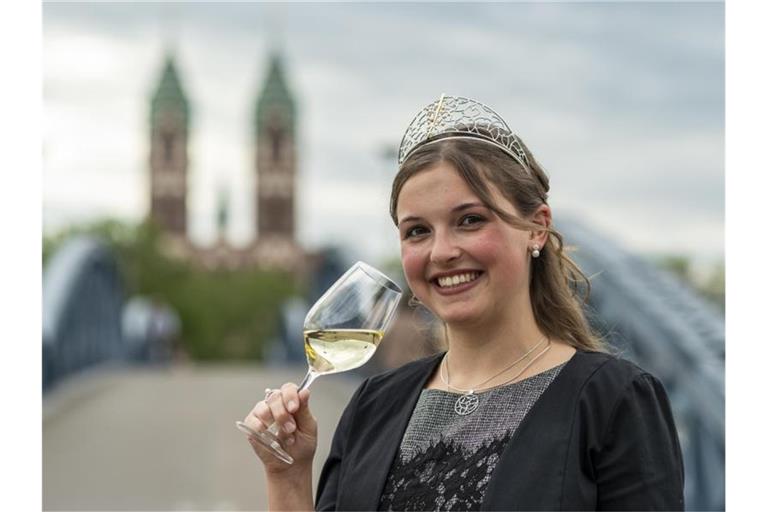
(414, 265)
(491, 246)
(499, 249)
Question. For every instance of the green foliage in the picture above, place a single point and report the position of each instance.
(224, 314)
(714, 286)
(678, 265)
(710, 286)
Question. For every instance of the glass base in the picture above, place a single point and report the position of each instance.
(268, 440)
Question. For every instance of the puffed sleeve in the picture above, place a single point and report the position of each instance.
(330, 477)
(639, 465)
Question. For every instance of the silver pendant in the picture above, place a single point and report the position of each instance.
(466, 404)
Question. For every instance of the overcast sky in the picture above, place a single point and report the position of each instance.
(622, 103)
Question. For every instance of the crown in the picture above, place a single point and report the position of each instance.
(454, 117)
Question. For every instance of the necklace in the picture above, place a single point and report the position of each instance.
(468, 402)
(477, 387)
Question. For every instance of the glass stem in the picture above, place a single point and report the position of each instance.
(309, 378)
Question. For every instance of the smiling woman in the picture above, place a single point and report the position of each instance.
(513, 191)
(526, 410)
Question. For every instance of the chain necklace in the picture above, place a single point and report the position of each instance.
(468, 402)
(477, 387)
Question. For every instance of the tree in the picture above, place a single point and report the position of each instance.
(225, 314)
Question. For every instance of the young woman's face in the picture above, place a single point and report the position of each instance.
(463, 262)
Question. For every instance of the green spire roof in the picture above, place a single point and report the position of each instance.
(275, 95)
(169, 94)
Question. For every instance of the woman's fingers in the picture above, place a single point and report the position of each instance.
(288, 409)
(278, 407)
(260, 417)
(290, 395)
(304, 418)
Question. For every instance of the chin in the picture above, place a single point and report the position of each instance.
(458, 315)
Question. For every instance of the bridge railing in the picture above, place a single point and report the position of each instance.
(655, 320)
(86, 319)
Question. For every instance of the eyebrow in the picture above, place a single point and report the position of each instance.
(459, 208)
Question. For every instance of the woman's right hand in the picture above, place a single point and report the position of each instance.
(298, 428)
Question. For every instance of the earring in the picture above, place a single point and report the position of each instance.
(535, 253)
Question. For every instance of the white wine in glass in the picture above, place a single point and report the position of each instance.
(341, 332)
(333, 351)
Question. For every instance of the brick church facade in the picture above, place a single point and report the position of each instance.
(274, 245)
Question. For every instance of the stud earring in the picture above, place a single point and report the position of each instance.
(535, 253)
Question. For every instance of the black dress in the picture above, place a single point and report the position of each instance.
(600, 437)
(453, 444)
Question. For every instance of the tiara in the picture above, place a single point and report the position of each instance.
(454, 117)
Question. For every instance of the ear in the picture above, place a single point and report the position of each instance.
(542, 216)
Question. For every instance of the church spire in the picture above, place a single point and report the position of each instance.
(276, 163)
(168, 155)
(222, 214)
(169, 94)
(275, 96)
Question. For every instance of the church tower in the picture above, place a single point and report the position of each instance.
(275, 132)
(169, 128)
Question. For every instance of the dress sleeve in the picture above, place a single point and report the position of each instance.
(639, 464)
(330, 477)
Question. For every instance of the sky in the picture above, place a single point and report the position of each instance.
(623, 104)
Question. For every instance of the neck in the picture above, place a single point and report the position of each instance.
(480, 350)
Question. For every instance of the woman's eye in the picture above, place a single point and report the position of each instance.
(469, 220)
(415, 231)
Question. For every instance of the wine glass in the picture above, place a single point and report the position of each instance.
(341, 332)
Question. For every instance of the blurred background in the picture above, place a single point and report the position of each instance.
(209, 169)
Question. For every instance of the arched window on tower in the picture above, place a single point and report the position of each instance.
(276, 138)
(167, 141)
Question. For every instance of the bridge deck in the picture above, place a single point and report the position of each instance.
(164, 439)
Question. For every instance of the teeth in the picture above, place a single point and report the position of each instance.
(449, 281)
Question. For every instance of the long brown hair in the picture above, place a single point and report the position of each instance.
(558, 288)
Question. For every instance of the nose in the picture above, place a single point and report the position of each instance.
(444, 248)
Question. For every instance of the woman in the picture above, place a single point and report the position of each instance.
(526, 410)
